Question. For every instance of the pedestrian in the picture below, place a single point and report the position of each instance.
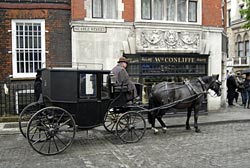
(122, 78)
(38, 86)
(247, 87)
(241, 89)
(231, 88)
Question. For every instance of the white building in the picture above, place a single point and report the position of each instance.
(164, 39)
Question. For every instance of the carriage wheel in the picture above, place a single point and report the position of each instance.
(131, 127)
(26, 114)
(110, 119)
(51, 130)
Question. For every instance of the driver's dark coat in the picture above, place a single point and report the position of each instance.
(122, 77)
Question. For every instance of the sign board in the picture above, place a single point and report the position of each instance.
(89, 29)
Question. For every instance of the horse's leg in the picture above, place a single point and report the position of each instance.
(196, 111)
(152, 115)
(164, 127)
(189, 111)
(153, 123)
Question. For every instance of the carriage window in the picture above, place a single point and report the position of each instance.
(105, 87)
(88, 87)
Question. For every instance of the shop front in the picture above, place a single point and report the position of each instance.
(150, 69)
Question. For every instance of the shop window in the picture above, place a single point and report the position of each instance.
(28, 47)
(169, 10)
(104, 9)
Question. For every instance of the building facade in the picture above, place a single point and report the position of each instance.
(238, 38)
(33, 35)
(164, 39)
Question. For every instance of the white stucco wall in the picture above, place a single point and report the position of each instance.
(212, 45)
(100, 47)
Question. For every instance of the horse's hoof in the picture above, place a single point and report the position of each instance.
(164, 129)
(197, 130)
(188, 128)
(155, 130)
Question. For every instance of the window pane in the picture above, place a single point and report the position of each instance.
(247, 48)
(28, 56)
(240, 49)
(171, 10)
(181, 10)
(192, 11)
(158, 9)
(97, 8)
(146, 9)
(88, 87)
(110, 9)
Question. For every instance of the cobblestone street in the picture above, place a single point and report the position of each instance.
(220, 145)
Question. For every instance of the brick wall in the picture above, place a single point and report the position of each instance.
(78, 11)
(58, 37)
(128, 13)
(211, 15)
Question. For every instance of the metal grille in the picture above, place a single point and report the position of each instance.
(14, 97)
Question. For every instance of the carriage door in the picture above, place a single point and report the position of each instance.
(88, 107)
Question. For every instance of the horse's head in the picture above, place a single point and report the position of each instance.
(215, 84)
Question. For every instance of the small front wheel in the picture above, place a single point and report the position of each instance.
(51, 130)
(131, 127)
(110, 119)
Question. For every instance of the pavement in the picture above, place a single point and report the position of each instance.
(228, 114)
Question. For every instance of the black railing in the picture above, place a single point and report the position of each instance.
(14, 97)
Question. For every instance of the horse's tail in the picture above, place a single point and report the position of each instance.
(151, 105)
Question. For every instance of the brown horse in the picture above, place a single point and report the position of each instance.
(190, 95)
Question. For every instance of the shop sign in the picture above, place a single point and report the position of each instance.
(173, 60)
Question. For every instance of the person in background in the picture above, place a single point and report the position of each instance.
(122, 78)
(247, 88)
(38, 86)
(240, 82)
(231, 88)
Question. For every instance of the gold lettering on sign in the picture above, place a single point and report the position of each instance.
(173, 59)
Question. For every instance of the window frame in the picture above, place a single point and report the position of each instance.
(198, 9)
(14, 23)
(103, 12)
(196, 15)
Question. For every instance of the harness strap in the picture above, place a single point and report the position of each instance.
(202, 83)
(190, 87)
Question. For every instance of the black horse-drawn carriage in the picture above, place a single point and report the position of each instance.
(74, 98)
(83, 99)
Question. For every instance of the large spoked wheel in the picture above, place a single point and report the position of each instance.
(110, 120)
(51, 130)
(131, 127)
(26, 114)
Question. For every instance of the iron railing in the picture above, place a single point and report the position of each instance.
(14, 97)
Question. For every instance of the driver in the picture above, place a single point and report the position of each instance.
(122, 78)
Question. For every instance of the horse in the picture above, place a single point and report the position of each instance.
(189, 94)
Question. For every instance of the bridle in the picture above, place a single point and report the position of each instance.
(203, 85)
